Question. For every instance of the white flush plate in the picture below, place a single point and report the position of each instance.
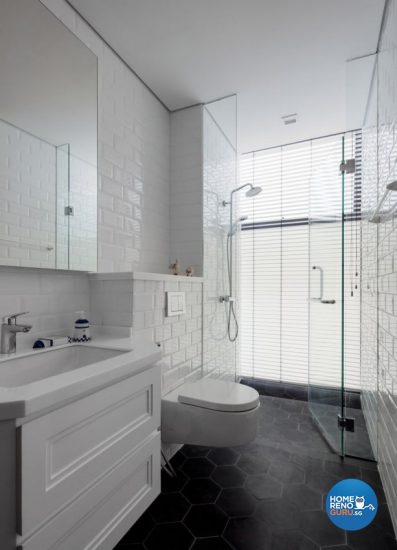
(176, 303)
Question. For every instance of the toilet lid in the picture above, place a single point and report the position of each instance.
(219, 395)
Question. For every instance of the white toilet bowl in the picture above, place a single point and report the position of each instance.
(210, 412)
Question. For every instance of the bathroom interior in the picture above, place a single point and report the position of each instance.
(198, 273)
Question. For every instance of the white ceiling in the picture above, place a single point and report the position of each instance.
(279, 56)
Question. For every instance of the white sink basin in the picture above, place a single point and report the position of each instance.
(38, 365)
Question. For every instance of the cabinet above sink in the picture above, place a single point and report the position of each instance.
(48, 142)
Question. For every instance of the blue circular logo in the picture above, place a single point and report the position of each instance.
(351, 504)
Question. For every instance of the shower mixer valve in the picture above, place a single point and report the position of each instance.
(226, 299)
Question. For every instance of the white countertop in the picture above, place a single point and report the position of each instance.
(37, 397)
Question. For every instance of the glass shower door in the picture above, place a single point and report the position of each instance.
(326, 290)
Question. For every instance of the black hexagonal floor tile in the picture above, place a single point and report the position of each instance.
(178, 459)
(263, 487)
(237, 502)
(317, 526)
(132, 546)
(342, 470)
(194, 451)
(279, 514)
(371, 538)
(303, 497)
(248, 534)
(201, 491)
(213, 543)
(321, 481)
(223, 456)
(291, 540)
(383, 519)
(139, 531)
(172, 484)
(253, 464)
(205, 520)
(228, 476)
(267, 495)
(169, 507)
(169, 535)
(197, 467)
(287, 472)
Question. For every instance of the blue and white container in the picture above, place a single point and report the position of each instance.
(81, 328)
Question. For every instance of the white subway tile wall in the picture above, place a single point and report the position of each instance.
(133, 158)
(141, 304)
(380, 270)
(180, 337)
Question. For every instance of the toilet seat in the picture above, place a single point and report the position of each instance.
(218, 395)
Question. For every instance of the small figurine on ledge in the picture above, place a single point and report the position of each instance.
(189, 271)
(175, 267)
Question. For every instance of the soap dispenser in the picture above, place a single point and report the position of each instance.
(81, 328)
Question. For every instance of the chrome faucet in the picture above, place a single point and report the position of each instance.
(9, 329)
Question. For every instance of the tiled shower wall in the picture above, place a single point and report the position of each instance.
(380, 268)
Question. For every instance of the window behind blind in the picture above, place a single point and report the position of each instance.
(299, 181)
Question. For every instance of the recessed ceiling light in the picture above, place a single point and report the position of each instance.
(290, 119)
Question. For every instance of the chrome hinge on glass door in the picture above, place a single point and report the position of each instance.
(345, 423)
(69, 211)
(348, 166)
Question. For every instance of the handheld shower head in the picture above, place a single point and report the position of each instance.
(234, 227)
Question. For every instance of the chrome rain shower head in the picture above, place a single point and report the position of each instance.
(253, 191)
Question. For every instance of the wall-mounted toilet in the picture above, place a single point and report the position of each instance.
(210, 412)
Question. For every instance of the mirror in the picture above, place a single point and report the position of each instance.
(48, 141)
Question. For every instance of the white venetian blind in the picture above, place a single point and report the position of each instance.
(277, 248)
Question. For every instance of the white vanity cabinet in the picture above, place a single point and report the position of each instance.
(87, 470)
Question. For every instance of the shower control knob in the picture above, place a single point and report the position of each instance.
(227, 299)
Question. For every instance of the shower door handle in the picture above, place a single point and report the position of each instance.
(328, 301)
(320, 269)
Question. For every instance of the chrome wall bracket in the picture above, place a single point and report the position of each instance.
(69, 211)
